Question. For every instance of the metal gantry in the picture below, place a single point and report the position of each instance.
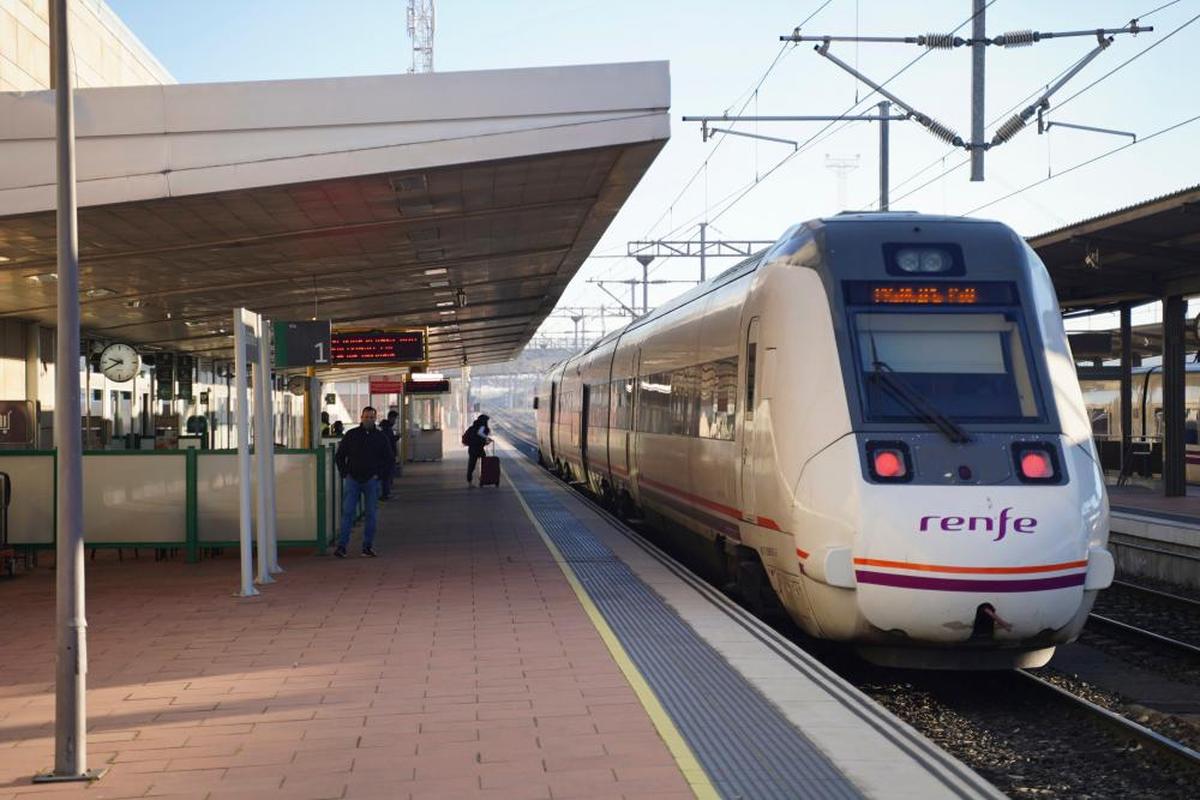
(977, 145)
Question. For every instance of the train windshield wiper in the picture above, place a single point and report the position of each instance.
(887, 377)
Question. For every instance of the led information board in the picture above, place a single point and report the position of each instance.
(377, 347)
(427, 387)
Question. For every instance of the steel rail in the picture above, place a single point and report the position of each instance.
(1142, 633)
(1188, 601)
(1123, 725)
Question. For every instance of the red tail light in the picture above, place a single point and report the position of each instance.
(1036, 465)
(889, 464)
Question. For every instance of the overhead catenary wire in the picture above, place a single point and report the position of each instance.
(745, 98)
(817, 137)
(1084, 163)
(1057, 107)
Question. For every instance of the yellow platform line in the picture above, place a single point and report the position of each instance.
(685, 759)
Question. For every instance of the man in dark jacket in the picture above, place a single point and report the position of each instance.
(363, 456)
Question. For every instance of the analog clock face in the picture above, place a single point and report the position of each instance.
(119, 362)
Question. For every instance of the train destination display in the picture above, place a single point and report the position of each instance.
(922, 294)
(377, 347)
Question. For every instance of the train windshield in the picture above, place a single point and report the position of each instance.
(967, 367)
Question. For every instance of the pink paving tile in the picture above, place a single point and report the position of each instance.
(460, 664)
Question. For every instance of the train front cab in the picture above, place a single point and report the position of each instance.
(961, 521)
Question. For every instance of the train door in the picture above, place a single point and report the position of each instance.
(583, 431)
(749, 399)
(631, 438)
(553, 418)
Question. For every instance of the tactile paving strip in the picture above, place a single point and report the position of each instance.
(744, 743)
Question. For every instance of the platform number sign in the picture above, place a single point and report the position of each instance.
(302, 344)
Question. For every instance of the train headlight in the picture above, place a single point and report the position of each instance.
(923, 259)
(889, 462)
(1036, 462)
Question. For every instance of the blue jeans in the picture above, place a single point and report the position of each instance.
(352, 490)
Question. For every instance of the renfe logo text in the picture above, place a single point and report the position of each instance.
(1000, 525)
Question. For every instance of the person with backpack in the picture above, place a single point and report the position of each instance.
(475, 439)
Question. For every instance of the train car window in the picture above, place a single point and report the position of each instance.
(972, 365)
(685, 402)
(718, 399)
(598, 406)
(654, 403)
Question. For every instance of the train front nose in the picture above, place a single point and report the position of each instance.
(1004, 564)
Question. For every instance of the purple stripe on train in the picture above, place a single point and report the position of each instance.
(969, 584)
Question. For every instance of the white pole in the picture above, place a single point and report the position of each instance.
(267, 442)
(241, 361)
(262, 436)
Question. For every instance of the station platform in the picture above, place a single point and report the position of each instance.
(508, 643)
(1155, 536)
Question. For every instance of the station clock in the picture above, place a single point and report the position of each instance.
(119, 362)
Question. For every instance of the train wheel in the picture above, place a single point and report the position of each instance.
(753, 587)
(625, 507)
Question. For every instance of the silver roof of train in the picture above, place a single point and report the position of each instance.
(897, 216)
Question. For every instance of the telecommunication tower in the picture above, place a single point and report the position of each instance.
(420, 30)
(842, 166)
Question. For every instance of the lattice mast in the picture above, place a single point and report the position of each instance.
(420, 31)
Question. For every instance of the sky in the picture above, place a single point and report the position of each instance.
(719, 52)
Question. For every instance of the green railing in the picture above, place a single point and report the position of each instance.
(185, 499)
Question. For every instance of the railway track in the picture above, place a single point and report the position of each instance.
(998, 723)
(1148, 628)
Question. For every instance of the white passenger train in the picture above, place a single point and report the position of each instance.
(880, 414)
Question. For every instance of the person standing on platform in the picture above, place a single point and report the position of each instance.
(363, 457)
(388, 426)
(477, 437)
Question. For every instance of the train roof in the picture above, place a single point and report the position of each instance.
(900, 216)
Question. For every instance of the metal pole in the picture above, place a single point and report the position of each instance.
(262, 427)
(645, 287)
(1126, 383)
(884, 146)
(703, 229)
(241, 364)
(978, 54)
(70, 707)
(267, 444)
(1174, 396)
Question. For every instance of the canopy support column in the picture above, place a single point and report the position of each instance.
(1174, 389)
(1126, 384)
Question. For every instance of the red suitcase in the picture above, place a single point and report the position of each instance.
(489, 471)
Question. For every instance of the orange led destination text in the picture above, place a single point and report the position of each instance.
(925, 295)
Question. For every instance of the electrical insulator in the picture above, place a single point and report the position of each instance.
(941, 131)
(937, 41)
(1009, 129)
(1018, 39)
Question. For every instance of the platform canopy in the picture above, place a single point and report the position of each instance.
(1137, 254)
(377, 202)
